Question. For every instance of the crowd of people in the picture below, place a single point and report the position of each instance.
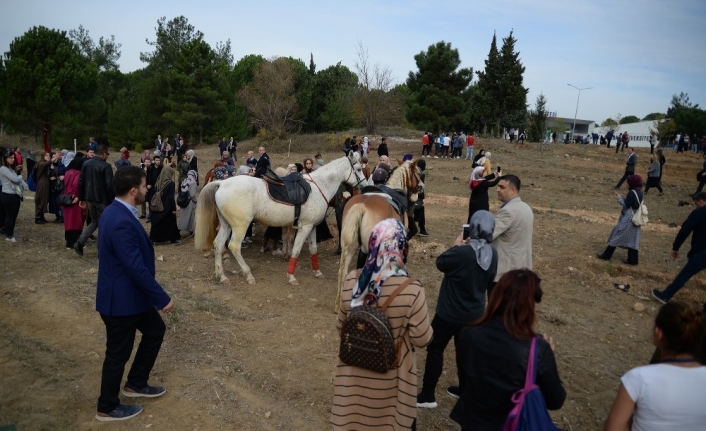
(486, 301)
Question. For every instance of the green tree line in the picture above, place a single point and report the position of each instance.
(73, 83)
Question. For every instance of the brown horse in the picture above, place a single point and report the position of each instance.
(363, 212)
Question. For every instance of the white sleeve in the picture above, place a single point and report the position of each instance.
(633, 382)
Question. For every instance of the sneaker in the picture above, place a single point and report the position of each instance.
(120, 413)
(177, 242)
(147, 392)
(454, 391)
(12, 239)
(657, 295)
(277, 252)
(436, 157)
(78, 247)
(244, 245)
(426, 401)
(92, 237)
(247, 239)
(423, 233)
(143, 216)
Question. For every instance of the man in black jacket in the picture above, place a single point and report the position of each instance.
(95, 191)
(695, 224)
(629, 166)
(262, 163)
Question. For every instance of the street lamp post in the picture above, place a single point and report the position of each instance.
(573, 130)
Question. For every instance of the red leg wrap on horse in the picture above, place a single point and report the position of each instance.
(315, 262)
(292, 265)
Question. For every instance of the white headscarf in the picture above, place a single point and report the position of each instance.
(68, 157)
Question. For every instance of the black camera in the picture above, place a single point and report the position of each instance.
(466, 231)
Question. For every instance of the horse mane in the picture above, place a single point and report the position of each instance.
(399, 178)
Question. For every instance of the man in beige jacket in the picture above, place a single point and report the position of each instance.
(512, 237)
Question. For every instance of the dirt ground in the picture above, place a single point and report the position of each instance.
(262, 357)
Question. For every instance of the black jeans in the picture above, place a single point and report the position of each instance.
(9, 208)
(420, 218)
(443, 331)
(120, 332)
(425, 149)
(625, 177)
(95, 209)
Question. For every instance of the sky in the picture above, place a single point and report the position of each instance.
(634, 54)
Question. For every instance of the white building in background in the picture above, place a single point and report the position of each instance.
(639, 132)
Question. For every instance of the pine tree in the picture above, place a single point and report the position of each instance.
(500, 99)
(437, 89)
(538, 119)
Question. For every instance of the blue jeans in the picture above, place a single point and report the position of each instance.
(469, 153)
(696, 264)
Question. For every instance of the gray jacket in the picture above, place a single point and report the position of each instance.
(12, 183)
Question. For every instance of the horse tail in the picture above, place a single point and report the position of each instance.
(206, 217)
(351, 224)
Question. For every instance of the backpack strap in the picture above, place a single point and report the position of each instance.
(392, 296)
(396, 292)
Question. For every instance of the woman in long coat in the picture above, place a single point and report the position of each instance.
(73, 214)
(41, 196)
(479, 185)
(625, 234)
(164, 226)
(365, 399)
(186, 214)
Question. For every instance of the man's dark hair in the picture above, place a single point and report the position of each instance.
(101, 149)
(513, 180)
(126, 178)
(701, 196)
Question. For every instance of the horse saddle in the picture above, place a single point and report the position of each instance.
(292, 189)
(394, 197)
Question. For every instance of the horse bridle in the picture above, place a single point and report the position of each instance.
(353, 171)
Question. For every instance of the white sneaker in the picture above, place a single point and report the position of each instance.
(436, 157)
(12, 239)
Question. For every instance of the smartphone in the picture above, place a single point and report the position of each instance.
(466, 231)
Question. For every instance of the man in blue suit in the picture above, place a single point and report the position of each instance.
(127, 298)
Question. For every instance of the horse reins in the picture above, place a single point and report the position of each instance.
(349, 177)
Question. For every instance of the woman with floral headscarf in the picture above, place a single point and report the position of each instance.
(479, 185)
(364, 399)
(186, 214)
(625, 234)
(164, 226)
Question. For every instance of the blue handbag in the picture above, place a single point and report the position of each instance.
(530, 411)
(30, 182)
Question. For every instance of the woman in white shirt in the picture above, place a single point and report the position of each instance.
(669, 395)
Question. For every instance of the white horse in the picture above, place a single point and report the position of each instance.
(237, 201)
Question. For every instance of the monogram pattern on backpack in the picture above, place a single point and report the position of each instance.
(366, 337)
(366, 340)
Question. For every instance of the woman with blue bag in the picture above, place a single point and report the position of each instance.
(493, 355)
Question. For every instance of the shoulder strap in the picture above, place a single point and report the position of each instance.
(637, 197)
(396, 292)
(531, 375)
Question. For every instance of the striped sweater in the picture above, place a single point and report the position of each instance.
(368, 400)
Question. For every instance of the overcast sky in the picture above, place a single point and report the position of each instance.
(635, 54)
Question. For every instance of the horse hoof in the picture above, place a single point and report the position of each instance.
(207, 254)
(293, 281)
(318, 274)
(251, 281)
(224, 278)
